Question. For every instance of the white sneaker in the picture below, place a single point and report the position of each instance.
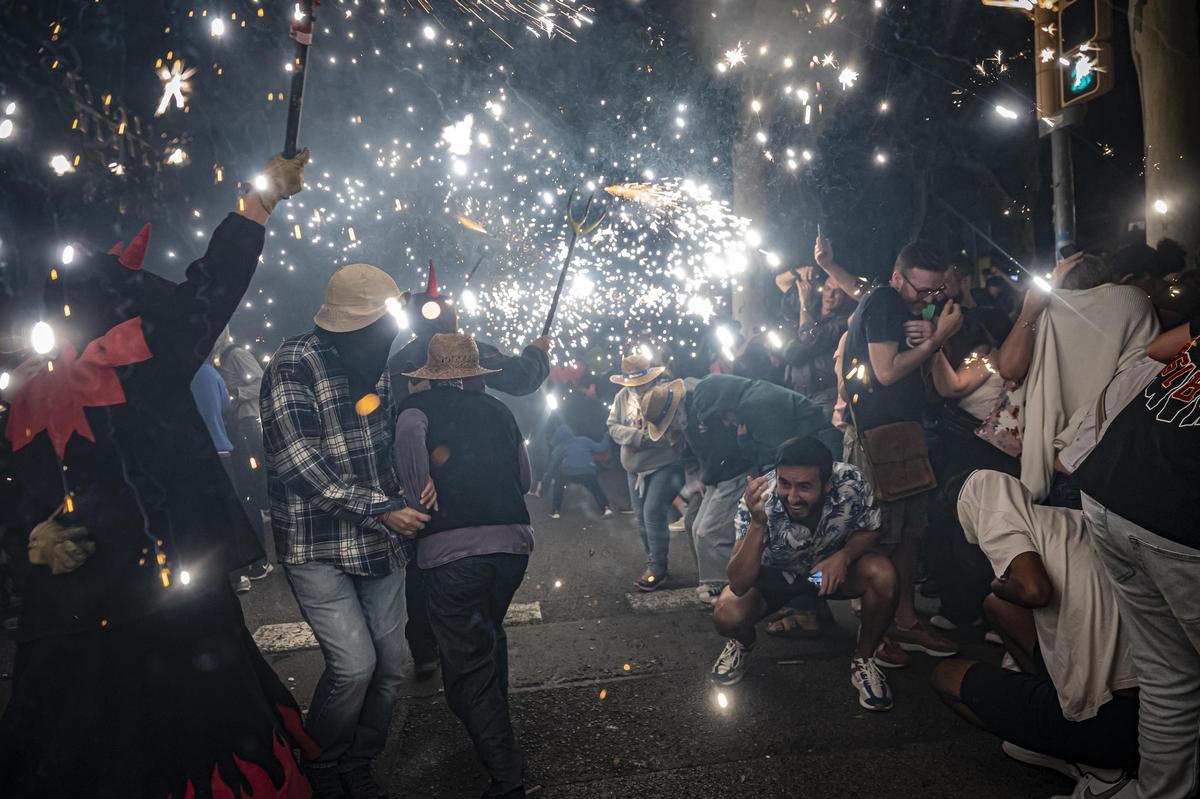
(731, 665)
(1032, 758)
(943, 623)
(1093, 786)
(555, 515)
(873, 691)
(608, 512)
(676, 526)
(708, 593)
(243, 584)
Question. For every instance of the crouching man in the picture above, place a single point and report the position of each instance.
(809, 522)
(1073, 706)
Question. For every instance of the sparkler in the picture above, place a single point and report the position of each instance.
(176, 86)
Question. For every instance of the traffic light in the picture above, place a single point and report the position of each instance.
(1085, 58)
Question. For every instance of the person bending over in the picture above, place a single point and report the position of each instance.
(810, 521)
(1075, 699)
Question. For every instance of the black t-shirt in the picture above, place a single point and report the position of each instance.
(1147, 466)
(880, 317)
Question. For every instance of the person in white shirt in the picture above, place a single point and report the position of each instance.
(1074, 700)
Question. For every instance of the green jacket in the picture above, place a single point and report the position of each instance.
(772, 414)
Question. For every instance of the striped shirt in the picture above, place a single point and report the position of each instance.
(329, 470)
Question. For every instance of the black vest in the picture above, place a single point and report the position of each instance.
(474, 457)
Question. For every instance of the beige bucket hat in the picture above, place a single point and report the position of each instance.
(452, 356)
(636, 371)
(659, 407)
(356, 296)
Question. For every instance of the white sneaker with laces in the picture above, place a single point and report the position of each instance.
(731, 665)
(608, 512)
(873, 691)
(676, 526)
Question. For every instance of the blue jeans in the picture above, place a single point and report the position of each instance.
(1155, 580)
(359, 623)
(650, 513)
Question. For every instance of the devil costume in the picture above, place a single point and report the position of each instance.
(135, 675)
(517, 375)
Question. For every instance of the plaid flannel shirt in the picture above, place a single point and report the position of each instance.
(329, 470)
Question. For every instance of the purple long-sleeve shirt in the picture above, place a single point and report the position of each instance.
(410, 455)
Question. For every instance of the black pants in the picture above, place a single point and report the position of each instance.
(417, 629)
(468, 599)
(1024, 709)
(588, 481)
(960, 568)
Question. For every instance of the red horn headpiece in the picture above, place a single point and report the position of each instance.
(131, 257)
(431, 287)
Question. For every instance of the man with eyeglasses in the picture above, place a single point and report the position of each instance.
(893, 334)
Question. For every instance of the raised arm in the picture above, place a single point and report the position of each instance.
(750, 529)
(519, 375)
(823, 255)
(182, 329)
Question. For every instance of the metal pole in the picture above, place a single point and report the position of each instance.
(302, 32)
(1062, 177)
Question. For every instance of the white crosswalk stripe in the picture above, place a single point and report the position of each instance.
(297, 635)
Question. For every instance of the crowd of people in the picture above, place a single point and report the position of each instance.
(1022, 459)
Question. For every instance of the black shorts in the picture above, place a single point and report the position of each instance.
(777, 591)
(1023, 709)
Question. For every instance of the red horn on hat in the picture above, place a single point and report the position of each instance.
(135, 253)
(117, 248)
(431, 288)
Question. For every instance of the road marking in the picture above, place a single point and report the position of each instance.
(297, 635)
(665, 599)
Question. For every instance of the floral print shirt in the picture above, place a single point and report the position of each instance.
(793, 548)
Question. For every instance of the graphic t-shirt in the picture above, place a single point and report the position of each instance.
(1147, 466)
(880, 317)
(794, 548)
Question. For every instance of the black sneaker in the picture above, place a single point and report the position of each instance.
(259, 570)
(326, 783)
(359, 783)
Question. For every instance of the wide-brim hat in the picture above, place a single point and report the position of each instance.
(637, 371)
(451, 356)
(659, 407)
(356, 296)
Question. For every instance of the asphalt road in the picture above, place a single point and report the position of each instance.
(610, 695)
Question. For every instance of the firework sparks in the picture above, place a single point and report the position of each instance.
(471, 224)
(176, 86)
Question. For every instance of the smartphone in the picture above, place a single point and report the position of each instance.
(815, 579)
(1066, 251)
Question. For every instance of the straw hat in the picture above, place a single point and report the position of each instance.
(356, 296)
(659, 407)
(637, 371)
(451, 356)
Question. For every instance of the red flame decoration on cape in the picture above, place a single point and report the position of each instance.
(54, 400)
(131, 257)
